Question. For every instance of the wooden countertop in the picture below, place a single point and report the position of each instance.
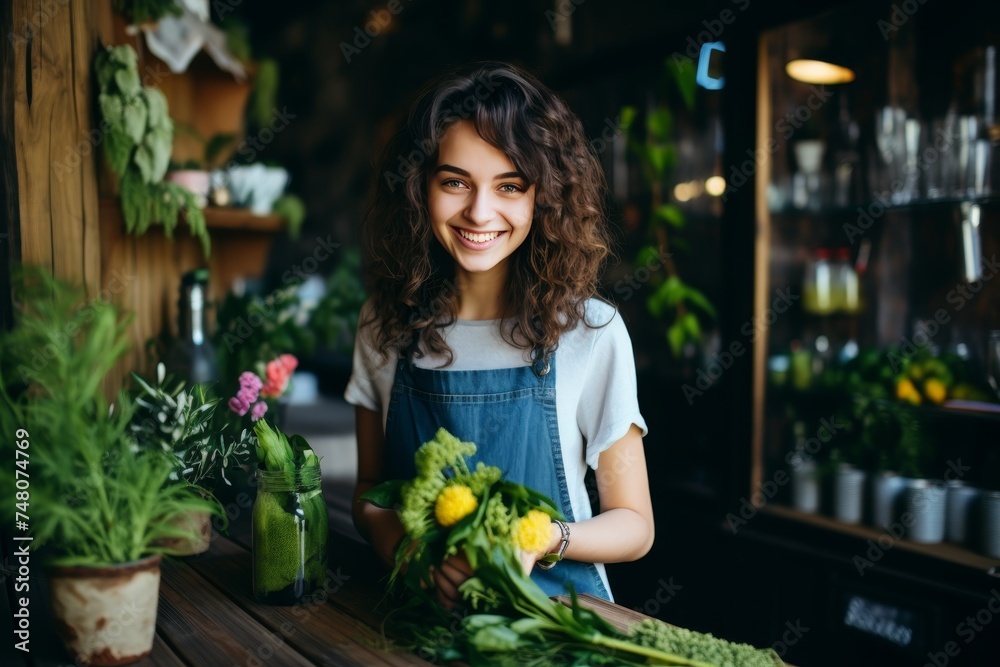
(207, 616)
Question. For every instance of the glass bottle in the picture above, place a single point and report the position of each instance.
(289, 535)
(192, 356)
(848, 298)
(817, 291)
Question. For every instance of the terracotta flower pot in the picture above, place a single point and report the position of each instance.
(107, 615)
(198, 522)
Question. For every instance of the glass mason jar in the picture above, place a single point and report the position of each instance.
(289, 535)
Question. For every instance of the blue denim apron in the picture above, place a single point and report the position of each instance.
(510, 413)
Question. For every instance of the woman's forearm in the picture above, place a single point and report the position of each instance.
(381, 527)
(614, 536)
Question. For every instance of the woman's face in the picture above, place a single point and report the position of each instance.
(480, 207)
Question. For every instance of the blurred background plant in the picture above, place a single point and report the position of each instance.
(681, 308)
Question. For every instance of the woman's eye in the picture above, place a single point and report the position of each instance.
(510, 188)
(452, 183)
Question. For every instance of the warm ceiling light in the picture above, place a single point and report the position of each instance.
(818, 71)
(715, 185)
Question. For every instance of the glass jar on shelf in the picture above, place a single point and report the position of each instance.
(817, 290)
(846, 284)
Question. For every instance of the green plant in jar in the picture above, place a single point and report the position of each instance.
(290, 520)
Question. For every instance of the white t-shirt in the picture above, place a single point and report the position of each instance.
(596, 399)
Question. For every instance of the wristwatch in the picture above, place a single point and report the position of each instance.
(548, 561)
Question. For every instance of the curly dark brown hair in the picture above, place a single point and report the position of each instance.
(556, 268)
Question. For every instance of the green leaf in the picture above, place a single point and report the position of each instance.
(676, 337)
(626, 118)
(293, 210)
(673, 290)
(691, 326)
(670, 214)
(648, 255)
(159, 116)
(684, 76)
(699, 299)
(659, 123)
(496, 638)
(660, 158)
(127, 80)
(159, 141)
(144, 161)
(112, 110)
(134, 115)
(386, 495)
(123, 55)
(118, 150)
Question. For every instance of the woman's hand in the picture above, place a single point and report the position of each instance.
(447, 578)
(529, 559)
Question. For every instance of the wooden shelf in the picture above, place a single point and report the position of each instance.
(242, 219)
(943, 551)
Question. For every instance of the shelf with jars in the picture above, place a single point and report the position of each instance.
(878, 180)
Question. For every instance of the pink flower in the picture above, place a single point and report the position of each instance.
(238, 405)
(277, 378)
(250, 381)
(259, 408)
(289, 362)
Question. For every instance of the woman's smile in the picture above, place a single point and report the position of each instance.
(477, 240)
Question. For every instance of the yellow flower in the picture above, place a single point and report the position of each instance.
(935, 391)
(905, 391)
(533, 532)
(454, 503)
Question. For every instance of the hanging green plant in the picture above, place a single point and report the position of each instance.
(681, 307)
(138, 140)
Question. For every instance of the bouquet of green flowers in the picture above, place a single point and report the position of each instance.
(449, 508)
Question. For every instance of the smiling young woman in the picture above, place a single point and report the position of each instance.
(483, 262)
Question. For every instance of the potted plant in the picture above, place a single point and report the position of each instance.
(177, 420)
(138, 140)
(847, 465)
(98, 505)
(195, 175)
